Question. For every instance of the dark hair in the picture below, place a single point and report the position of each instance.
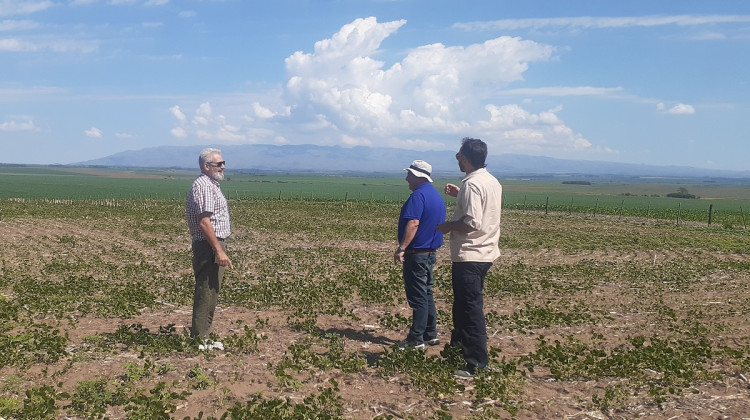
(475, 151)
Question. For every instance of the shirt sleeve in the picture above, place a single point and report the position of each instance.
(470, 198)
(204, 200)
(414, 207)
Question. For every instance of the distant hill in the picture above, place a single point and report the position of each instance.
(335, 159)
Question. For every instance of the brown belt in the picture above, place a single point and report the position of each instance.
(419, 251)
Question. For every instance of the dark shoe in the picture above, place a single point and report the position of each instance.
(433, 342)
(412, 344)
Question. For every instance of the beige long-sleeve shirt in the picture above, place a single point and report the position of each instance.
(478, 205)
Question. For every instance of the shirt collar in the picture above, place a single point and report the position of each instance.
(213, 181)
(472, 173)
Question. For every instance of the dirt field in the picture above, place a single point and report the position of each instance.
(600, 282)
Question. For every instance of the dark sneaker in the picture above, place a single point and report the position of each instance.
(433, 342)
(412, 344)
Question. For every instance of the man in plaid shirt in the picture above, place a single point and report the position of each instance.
(208, 221)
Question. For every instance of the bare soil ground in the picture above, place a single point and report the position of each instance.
(27, 243)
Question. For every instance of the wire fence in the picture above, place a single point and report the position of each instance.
(727, 215)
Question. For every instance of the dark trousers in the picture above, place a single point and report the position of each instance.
(418, 282)
(208, 277)
(469, 328)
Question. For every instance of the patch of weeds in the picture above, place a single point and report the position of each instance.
(8, 315)
(68, 240)
(97, 342)
(9, 406)
(40, 403)
(661, 366)
(502, 384)
(136, 337)
(327, 404)
(396, 322)
(164, 368)
(135, 372)
(614, 397)
(158, 404)
(304, 319)
(126, 300)
(430, 374)
(546, 316)
(375, 291)
(248, 342)
(737, 356)
(38, 343)
(199, 379)
(91, 398)
(302, 357)
(338, 358)
(260, 323)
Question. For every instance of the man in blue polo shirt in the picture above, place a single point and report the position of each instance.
(418, 239)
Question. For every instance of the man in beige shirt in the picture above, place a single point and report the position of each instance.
(474, 234)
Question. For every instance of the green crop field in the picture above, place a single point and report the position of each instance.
(727, 200)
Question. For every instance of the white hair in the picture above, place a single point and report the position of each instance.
(205, 156)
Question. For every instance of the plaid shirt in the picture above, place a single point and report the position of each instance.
(205, 196)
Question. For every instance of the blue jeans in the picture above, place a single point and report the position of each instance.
(469, 328)
(418, 282)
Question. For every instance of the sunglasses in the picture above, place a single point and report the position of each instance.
(217, 164)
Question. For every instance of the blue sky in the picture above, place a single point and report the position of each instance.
(637, 81)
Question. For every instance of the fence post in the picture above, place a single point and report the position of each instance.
(279, 195)
(346, 197)
(524, 203)
(621, 206)
(596, 207)
(648, 212)
(743, 218)
(679, 207)
(710, 213)
(570, 207)
(546, 207)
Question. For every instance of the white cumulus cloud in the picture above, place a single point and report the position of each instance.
(679, 109)
(177, 113)
(206, 126)
(343, 93)
(13, 125)
(94, 133)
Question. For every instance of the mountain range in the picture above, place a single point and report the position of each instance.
(378, 160)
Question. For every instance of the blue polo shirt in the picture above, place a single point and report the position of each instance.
(426, 205)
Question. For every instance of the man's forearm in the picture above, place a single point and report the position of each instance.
(455, 226)
(409, 233)
(210, 234)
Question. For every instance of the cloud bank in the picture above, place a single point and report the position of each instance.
(342, 94)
